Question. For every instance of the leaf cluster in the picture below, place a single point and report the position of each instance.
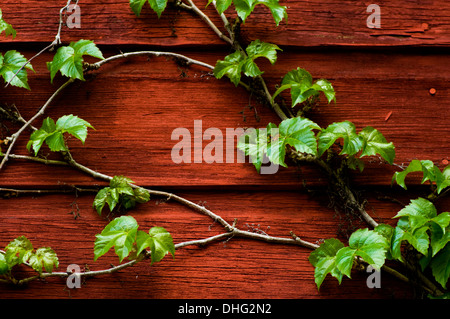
(301, 85)
(69, 59)
(299, 133)
(419, 227)
(430, 172)
(10, 64)
(333, 257)
(119, 193)
(243, 7)
(6, 27)
(53, 133)
(21, 251)
(122, 233)
(239, 62)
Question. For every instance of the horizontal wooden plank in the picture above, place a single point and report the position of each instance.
(236, 268)
(136, 105)
(310, 23)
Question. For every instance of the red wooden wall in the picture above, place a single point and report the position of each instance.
(135, 105)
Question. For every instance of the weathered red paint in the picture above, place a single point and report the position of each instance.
(136, 104)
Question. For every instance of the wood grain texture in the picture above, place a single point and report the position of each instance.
(236, 268)
(132, 106)
(382, 78)
(310, 23)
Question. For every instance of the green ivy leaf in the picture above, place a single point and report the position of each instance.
(298, 133)
(430, 172)
(221, 5)
(414, 224)
(324, 261)
(17, 251)
(300, 83)
(245, 7)
(120, 192)
(375, 143)
(235, 63)
(326, 87)
(278, 11)
(272, 141)
(345, 130)
(53, 133)
(254, 144)
(367, 244)
(440, 266)
(69, 59)
(120, 234)
(355, 163)
(6, 27)
(158, 240)
(4, 267)
(157, 5)
(258, 49)
(10, 64)
(419, 212)
(43, 258)
(387, 231)
(230, 66)
(439, 237)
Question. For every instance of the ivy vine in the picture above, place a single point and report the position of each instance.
(419, 240)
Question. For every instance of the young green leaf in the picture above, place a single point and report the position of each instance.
(6, 27)
(254, 144)
(326, 88)
(324, 261)
(120, 234)
(345, 130)
(375, 143)
(439, 237)
(4, 267)
(157, 5)
(355, 163)
(245, 7)
(43, 258)
(69, 59)
(53, 133)
(415, 223)
(158, 240)
(120, 193)
(440, 266)
(231, 66)
(221, 5)
(235, 63)
(17, 251)
(272, 141)
(430, 172)
(10, 64)
(298, 133)
(370, 245)
(258, 49)
(387, 232)
(300, 82)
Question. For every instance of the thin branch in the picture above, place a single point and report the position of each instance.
(192, 7)
(15, 136)
(17, 192)
(51, 46)
(187, 60)
(200, 242)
